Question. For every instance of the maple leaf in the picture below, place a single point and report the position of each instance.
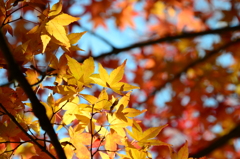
(122, 113)
(145, 138)
(120, 118)
(60, 67)
(131, 112)
(134, 153)
(52, 27)
(97, 10)
(68, 149)
(79, 139)
(182, 153)
(72, 109)
(26, 150)
(125, 16)
(99, 103)
(10, 100)
(74, 37)
(32, 76)
(187, 20)
(81, 72)
(56, 9)
(117, 124)
(112, 80)
(112, 140)
(55, 28)
(123, 101)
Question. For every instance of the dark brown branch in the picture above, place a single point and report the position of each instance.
(190, 65)
(38, 109)
(232, 134)
(116, 51)
(25, 132)
(218, 143)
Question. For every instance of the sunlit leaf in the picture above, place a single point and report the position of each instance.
(56, 9)
(112, 80)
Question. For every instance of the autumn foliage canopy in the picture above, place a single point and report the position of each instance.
(170, 91)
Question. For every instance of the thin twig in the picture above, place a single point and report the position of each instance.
(91, 131)
(13, 21)
(101, 141)
(7, 15)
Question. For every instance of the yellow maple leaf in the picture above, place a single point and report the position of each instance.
(74, 37)
(131, 112)
(182, 153)
(59, 66)
(112, 80)
(81, 72)
(123, 101)
(45, 40)
(52, 27)
(135, 153)
(77, 139)
(121, 109)
(99, 103)
(56, 30)
(146, 136)
(120, 115)
(74, 111)
(117, 124)
(56, 9)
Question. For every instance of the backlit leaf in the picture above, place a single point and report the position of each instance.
(45, 40)
(74, 37)
(56, 9)
(182, 153)
(112, 80)
(74, 67)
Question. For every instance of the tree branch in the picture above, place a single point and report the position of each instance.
(38, 109)
(25, 132)
(190, 65)
(116, 51)
(218, 143)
